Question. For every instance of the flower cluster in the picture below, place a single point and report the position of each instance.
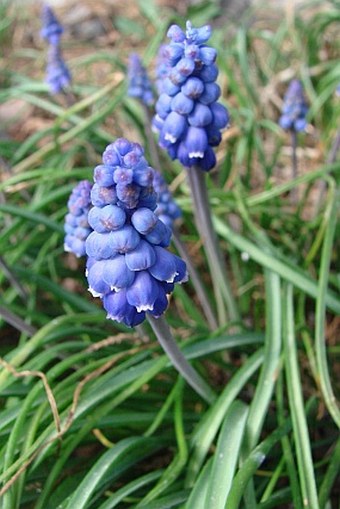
(76, 226)
(167, 209)
(58, 76)
(189, 118)
(139, 82)
(51, 28)
(294, 108)
(129, 266)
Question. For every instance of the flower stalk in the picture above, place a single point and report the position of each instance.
(170, 347)
(204, 225)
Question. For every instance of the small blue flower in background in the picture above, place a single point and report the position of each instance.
(51, 28)
(189, 118)
(129, 266)
(76, 226)
(58, 76)
(139, 82)
(162, 68)
(167, 209)
(294, 108)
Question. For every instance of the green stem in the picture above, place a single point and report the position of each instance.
(330, 476)
(170, 347)
(294, 193)
(320, 314)
(196, 280)
(205, 227)
(296, 403)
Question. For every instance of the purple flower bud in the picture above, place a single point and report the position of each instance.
(128, 194)
(103, 175)
(159, 235)
(198, 35)
(173, 53)
(192, 51)
(201, 115)
(207, 55)
(95, 273)
(176, 33)
(118, 308)
(98, 246)
(209, 160)
(123, 176)
(165, 267)
(185, 67)
(193, 88)
(124, 240)
(163, 106)
(182, 104)
(143, 292)
(170, 88)
(196, 142)
(106, 219)
(101, 196)
(220, 115)
(123, 146)
(211, 93)
(209, 73)
(142, 257)
(111, 156)
(174, 126)
(144, 220)
(117, 274)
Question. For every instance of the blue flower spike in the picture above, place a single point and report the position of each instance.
(51, 29)
(188, 117)
(58, 76)
(139, 82)
(76, 226)
(294, 108)
(129, 267)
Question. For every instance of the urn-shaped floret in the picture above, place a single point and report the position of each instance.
(129, 267)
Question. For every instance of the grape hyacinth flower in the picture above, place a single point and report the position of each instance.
(293, 118)
(294, 108)
(58, 76)
(188, 117)
(129, 266)
(189, 120)
(51, 28)
(139, 82)
(167, 209)
(76, 226)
